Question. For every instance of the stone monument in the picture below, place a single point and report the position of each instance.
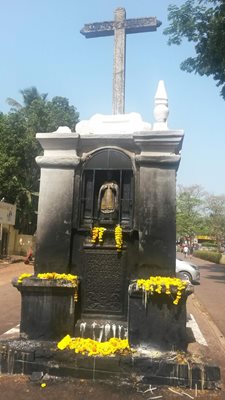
(107, 215)
(116, 172)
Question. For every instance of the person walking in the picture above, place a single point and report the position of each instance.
(191, 250)
(185, 250)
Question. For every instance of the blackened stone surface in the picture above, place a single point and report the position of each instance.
(159, 323)
(47, 309)
(154, 209)
(150, 249)
(54, 220)
(28, 356)
(157, 228)
(103, 285)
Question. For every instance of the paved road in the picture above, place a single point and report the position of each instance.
(211, 291)
(10, 298)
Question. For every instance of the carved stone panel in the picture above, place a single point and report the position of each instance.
(103, 284)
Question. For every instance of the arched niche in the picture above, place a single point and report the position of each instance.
(107, 165)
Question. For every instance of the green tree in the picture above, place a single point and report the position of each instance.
(19, 174)
(201, 22)
(215, 206)
(29, 95)
(190, 201)
(61, 114)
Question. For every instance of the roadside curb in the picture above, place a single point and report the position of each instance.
(215, 349)
(211, 324)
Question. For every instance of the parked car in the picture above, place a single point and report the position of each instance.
(187, 271)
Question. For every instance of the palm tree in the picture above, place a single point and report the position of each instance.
(29, 95)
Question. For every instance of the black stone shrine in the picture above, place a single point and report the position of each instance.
(141, 200)
(104, 178)
(97, 178)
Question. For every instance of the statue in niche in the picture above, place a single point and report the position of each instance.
(108, 199)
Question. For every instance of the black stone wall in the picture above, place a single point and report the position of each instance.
(54, 220)
(156, 213)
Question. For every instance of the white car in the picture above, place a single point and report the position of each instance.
(187, 271)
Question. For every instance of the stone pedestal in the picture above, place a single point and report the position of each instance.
(47, 309)
(158, 323)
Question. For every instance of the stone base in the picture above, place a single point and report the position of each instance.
(47, 309)
(26, 357)
(157, 322)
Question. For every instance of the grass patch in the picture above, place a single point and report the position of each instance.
(212, 256)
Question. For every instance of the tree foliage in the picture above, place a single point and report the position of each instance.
(215, 206)
(201, 22)
(189, 205)
(200, 213)
(19, 173)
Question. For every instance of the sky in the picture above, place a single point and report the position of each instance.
(41, 46)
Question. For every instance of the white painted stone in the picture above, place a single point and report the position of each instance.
(196, 331)
(11, 333)
(63, 129)
(113, 124)
(161, 110)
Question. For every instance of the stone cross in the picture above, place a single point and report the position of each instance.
(120, 27)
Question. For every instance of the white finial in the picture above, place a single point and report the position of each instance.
(63, 129)
(161, 110)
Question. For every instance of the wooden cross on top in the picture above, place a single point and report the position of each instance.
(119, 28)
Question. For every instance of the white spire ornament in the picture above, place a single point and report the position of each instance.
(161, 110)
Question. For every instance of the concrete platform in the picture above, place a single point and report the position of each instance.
(154, 367)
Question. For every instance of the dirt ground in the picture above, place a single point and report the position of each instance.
(19, 387)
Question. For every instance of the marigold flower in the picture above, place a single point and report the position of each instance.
(159, 284)
(94, 234)
(92, 347)
(118, 237)
(64, 343)
(54, 275)
(23, 276)
(97, 234)
(100, 234)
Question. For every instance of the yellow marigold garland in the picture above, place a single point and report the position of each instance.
(92, 347)
(100, 234)
(155, 284)
(54, 275)
(97, 234)
(50, 275)
(118, 237)
(94, 234)
(23, 276)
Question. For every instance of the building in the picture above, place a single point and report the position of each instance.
(7, 222)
